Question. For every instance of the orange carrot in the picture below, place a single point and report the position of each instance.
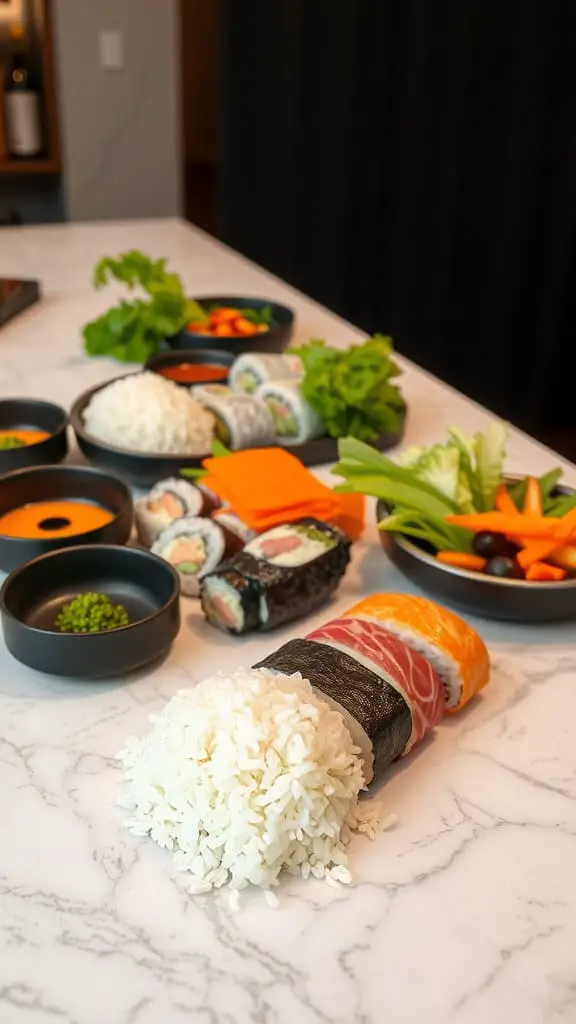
(518, 525)
(224, 315)
(533, 498)
(565, 557)
(461, 560)
(242, 326)
(543, 571)
(504, 502)
(536, 551)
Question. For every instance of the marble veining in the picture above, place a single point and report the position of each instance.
(463, 913)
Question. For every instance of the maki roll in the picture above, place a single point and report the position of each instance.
(391, 691)
(281, 575)
(295, 421)
(236, 533)
(252, 369)
(194, 546)
(241, 420)
(169, 500)
(455, 650)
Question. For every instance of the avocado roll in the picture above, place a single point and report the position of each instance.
(168, 501)
(295, 421)
(241, 420)
(251, 369)
(281, 575)
(194, 546)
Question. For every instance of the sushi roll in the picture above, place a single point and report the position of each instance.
(194, 546)
(455, 650)
(241, 421)
(281, 575)
(252, 369)
(236, 533)
(294, 420)
(392, 692)
(169, 500)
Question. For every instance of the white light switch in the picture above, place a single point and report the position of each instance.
(111, 50)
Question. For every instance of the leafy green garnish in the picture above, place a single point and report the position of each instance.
(350, 389)
(133, 331)
(218, 451)
(9, 441)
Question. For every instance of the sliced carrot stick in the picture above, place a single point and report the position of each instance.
(461, 560)
(533, 498)
(536, 551)
(543, 571)
(517, 525)
(565, 557)
(504, 502)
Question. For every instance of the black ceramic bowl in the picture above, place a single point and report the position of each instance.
(145, 585)
(209, 359)
(32, 414)
(487, 596)
(142, 469)
(274, 340)
(63, 483)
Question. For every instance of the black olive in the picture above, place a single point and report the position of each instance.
(490, 545)
(504, 566)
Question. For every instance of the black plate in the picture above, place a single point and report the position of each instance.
(144, 470)
(212, 356)
(62, 483)
(486, 596)
(274, 340)
(32, 597)
(32, 414)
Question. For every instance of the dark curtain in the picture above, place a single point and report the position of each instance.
(412, 165)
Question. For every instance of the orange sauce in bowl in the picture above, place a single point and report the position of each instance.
(193, 373)
(26, 436)
(46, 520)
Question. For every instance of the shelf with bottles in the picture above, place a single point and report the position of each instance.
(29, 135)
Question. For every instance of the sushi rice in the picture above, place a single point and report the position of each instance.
(247, 776)
(295, 421)
(168, 501)
(194, 546)
(251, 369)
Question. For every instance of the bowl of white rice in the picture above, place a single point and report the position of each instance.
(142, 427)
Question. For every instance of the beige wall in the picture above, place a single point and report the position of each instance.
(121, 130)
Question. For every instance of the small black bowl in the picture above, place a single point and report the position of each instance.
(145, 585)
(142, 469)
(32, 414)
(274, 340)
(63, 483)
(489, 597)
(211, 357)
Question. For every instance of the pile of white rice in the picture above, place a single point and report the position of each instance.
(146, 413)
(246, 776)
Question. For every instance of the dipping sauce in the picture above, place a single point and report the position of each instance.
(25, 436)
(49, 519)
(193, 373)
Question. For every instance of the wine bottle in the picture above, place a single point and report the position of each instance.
(22, 102)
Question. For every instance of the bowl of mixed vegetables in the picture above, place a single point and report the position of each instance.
(495, 544)
(236, 325)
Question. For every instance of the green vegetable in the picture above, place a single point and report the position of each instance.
(218, 451)
(133, 331)
(313, 533)
(9, 441)
(351, 390)
(547, 484)
(91, 613)
(490, 449)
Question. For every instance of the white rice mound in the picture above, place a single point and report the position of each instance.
(246, 776)
(146, 413)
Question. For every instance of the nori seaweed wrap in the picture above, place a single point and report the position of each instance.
(281, 575)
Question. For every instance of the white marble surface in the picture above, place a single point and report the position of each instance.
(465, 913)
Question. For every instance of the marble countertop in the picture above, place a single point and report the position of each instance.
(464, 913)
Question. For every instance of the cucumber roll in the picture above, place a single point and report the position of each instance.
(281, 575)
(194, 546)
(241, 421)
(295, 421)
(252, 369)
(168, 501)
